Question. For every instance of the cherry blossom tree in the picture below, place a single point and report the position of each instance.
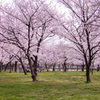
(83, 29)
(27, 25)
(11, 54)
(5, 56)
(56, 55)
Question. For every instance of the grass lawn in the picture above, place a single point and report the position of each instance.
(51, 86)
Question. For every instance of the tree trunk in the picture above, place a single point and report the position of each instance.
(53, 67)
(33, 74)
(77, 67)
(98, 68)
(34, 77)
(10, 67)
(15, 66)
(25, 72)
(83, 68)
(88, 74)
(33, 68)
(65, 67)
(46, 67)
(0, 68)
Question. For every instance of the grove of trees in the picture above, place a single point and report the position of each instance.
(31, 30)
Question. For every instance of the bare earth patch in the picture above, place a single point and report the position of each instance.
(77, 76)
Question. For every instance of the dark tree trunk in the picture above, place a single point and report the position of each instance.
(33, 67)
(46, 67)
(32, 70)
(10, 67)
(98, 68)
(25, 72)
(15, 66)
(53, 67)
(64, 66)
(34, 77)
(0, 69)
(77, 67)
(83, 68)
(1, 66)
(88, 74)
(47, 70)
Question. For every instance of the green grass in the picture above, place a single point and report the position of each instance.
(50, 86)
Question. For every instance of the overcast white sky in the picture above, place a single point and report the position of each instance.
(6, 1)
(59, 7)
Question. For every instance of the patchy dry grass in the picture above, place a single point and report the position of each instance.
(51, 86)
(77, 76)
